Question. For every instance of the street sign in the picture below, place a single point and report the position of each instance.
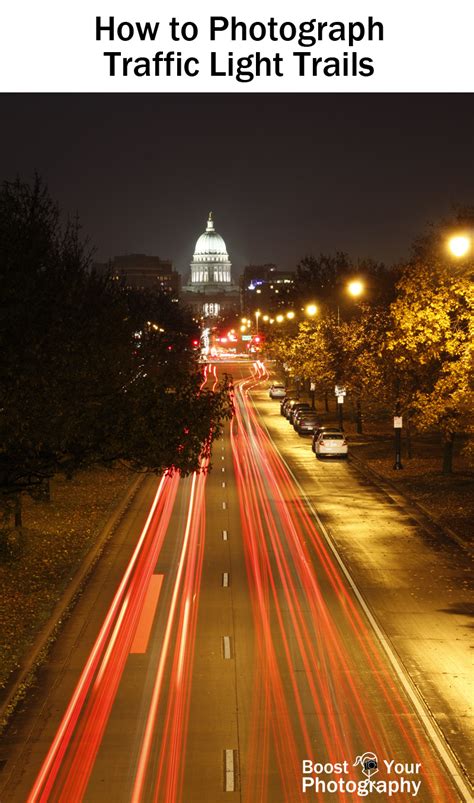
(397, 421)
(246, 337)
(340, 399)
(340, 390)
(312, 387)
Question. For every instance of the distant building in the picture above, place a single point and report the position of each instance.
(266, 288)
(143, 271)
(210, 290)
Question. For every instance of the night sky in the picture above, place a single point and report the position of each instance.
(284, 174)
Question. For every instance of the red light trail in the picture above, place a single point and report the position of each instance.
(322, 686)
(288, 565)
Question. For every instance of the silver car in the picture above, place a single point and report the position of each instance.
(331, 444)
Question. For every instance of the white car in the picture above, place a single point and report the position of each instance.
(277, 391)
(331, 444)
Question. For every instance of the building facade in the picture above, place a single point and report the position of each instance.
(266, 288)
(211, 291)
(146, 272)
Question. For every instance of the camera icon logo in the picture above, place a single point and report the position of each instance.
(369, 764)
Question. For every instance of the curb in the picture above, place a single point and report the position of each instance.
(16, 688)
(393, 492)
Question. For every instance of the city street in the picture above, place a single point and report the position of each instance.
(277, 610)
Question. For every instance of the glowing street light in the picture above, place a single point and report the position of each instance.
(279, 318)
(459, 245)
(311, 309)
(355, 288)
(265, 318)
(290, 315)
(257, 316)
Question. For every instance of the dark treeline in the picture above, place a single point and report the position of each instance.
(92, 372)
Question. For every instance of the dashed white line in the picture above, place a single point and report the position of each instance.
(223, 484)
(224, 506)
(229, 770)
(224, 535)
(226, 647)
(225, 579)
(223, 469)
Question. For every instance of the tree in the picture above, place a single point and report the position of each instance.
(321, 277)
(91, 371)
(432, 342)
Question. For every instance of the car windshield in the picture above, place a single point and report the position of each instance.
(332, 436)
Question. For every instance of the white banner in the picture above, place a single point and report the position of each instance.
(182, 46)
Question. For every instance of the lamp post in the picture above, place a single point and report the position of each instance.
(397, 426)
(257, 316)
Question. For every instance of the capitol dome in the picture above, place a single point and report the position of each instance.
(211, 264)
(210, 243)
(210, 291)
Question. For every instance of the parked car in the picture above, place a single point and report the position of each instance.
(288, 405)
(305, 422)
(317, 432)
(284, 402)
(331, 444)
(298, 411)
(277, 391)
(295, 408)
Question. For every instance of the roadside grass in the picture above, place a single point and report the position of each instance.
(55, 538)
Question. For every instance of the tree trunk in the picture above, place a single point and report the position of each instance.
(18, 511)
(359, 427)
(448, 453)
(326, 403)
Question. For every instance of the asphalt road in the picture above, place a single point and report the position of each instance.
(226, 637)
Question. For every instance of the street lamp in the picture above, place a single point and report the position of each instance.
(355, 288)
(459, 245)
(311, 309)
(279, 318)
(290, 315)
(257, 316)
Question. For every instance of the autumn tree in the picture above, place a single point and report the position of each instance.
(431, 341)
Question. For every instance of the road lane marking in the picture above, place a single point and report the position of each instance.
(223, 469)
(229, 771)
(147, 615)
(224, 535)
(225, 579)
(223, 484)
(226, 648)
(224, 506)
(222, 458)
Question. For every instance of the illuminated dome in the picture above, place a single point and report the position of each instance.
(210, 291)
(211, 264)
(210, 243)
